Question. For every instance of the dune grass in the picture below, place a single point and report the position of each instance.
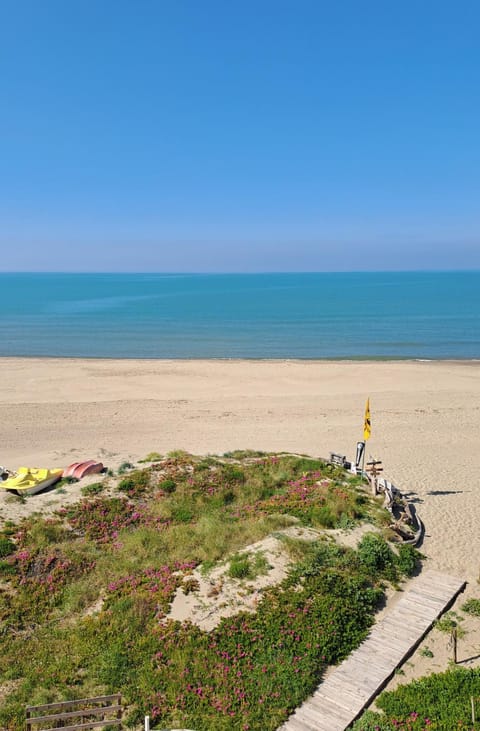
(441, 701)
(84, 595)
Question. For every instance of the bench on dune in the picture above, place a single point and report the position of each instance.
(103, 711)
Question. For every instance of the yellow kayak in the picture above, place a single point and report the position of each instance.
(29, 480)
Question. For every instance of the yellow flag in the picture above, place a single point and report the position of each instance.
(367, 427)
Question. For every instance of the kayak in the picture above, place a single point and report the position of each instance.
(80, 469)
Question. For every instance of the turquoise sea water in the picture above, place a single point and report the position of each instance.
(319, 315)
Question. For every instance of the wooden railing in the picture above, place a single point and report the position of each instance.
(86, 713)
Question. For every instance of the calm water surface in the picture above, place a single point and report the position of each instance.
(321, 315)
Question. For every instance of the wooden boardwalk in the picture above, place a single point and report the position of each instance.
(344, 694)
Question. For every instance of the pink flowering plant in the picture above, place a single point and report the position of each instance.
(156, 585)
(39, 577)
(123, 554)
(254, 669)
(440, 702)
(316, 500)
(102, 519)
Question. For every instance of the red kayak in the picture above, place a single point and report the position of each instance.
(80, 469)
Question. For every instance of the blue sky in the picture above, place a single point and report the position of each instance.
(266, 135)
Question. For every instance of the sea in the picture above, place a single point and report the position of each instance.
(357, 315)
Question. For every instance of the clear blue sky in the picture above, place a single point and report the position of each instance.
(239, 135)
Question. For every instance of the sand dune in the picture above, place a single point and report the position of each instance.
(425, 423)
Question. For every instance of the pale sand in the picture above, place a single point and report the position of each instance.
(425, 428)
(217, 595)
(425, 423)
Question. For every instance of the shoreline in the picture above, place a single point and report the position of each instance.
(226, 359)
(425, 422)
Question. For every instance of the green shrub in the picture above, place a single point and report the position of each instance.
(471, 606)
(9, 528)
(94, 489)
(319, 556)
(69, 480)
(408, 560)
(39, 533)
(6, 546)
(442, 698)
(126, 484)
(248, 566)
(231, 473)
(182, 514)
(205, 464)
(325, 517)
(377, 556)
(135, 484)
(345, 522)
(306, 464)
(152, 457)
(244, 453)
(371, 721)
(239, 567)
(168, 485)
(125, 467)
(7, 568)
(449, 622)
(180, 456)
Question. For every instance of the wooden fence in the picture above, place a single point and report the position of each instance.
(86, 713)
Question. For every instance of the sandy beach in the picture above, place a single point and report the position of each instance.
(425, 428)
(425, 423)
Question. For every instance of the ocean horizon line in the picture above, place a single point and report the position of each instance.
(222, 273)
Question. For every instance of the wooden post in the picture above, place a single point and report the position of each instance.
(373, 469)
(120, 709)
(454, 643)
(472, 702)
(147, 723)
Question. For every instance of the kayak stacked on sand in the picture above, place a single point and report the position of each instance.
(81, 469)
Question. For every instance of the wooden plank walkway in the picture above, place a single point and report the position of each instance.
(345, 693)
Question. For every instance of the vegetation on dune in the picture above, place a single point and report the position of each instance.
(472, 606)
(248, 566)
(439, 702)
(152, 457)
(84, 595)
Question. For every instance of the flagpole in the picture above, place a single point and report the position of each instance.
(367, 429)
